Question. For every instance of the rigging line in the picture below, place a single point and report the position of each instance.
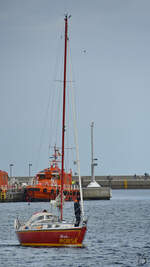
(69, 120)
(42, 133)
(72, 82)
(57, 110)
(54, 114)
(54, 107)
(68, 128)
(71, 128)
(77, 149)
(58, 117)
(61, 81)
(46, 114)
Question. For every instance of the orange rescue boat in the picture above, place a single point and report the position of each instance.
(47, 184)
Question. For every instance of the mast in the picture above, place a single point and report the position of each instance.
(92, 159)
(77, 154)
(93, 163)
(63, 115)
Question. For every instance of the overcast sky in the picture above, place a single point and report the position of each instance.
(112, 79)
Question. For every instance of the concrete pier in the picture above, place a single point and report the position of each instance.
(115, 182)
(119, 182)
(103, 192)
(93, 192)
(97, 193)
(12, 196)
(100, 193)
(16, 196)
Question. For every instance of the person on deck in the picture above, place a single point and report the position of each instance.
(77, 211)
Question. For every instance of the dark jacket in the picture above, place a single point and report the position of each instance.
(77, 209)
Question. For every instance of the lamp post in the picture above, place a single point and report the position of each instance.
(93, 163)
(30, 165)
(10, 166)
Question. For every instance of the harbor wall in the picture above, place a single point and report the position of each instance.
(119, 182)
(15, 195)
(18, 184)
(115, 182)
(98, 193)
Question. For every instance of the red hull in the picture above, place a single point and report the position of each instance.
(63, 237)
(47, 194)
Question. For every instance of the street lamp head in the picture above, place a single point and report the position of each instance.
(30, 165)
(11, 165)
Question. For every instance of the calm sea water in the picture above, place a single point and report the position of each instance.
(118, 234)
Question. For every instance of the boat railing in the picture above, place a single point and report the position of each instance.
(18, 224)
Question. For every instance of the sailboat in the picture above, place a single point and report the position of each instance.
(45, 228)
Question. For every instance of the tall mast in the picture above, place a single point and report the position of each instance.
(93, 163)
(92, 159)
(64, 109)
